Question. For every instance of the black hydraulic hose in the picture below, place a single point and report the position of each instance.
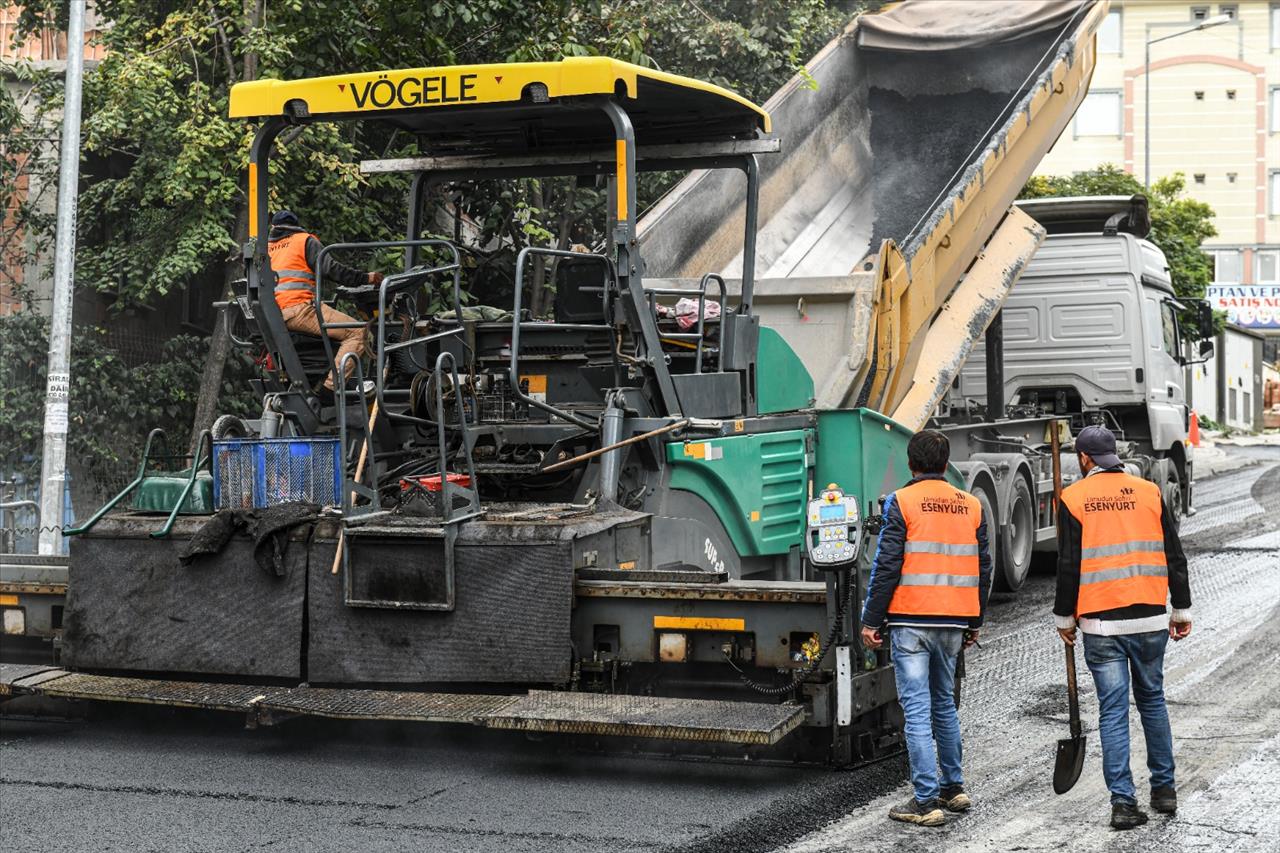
(799, 676)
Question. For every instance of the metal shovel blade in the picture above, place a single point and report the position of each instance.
(1068, 764)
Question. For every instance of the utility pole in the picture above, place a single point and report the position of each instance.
(53, 468)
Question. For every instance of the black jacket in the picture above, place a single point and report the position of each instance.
(334, 272)
(887, 570)
(1069, 547)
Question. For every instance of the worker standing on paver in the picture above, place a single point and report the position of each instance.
(929, 587)
(1119, 559)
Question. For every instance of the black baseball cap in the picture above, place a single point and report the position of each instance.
(1099, 444)
(284, 217)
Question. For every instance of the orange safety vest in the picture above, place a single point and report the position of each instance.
(1121, 542)
(295, 280)
(940, 563)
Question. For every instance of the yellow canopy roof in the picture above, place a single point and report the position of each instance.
(449, 104)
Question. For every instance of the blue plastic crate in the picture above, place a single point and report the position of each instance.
(262, 472)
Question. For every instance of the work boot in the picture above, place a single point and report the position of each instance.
(921, 814)
(954, 799)
(1126, 816)
(1164, 800)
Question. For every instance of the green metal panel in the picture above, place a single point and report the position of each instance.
(865, 453)
(782, 383)
(757, 485)
(158, 493)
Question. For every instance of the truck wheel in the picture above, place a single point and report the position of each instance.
(989, 513)
(1172, 494)
(1017, 539)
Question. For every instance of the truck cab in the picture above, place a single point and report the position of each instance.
(1091, 331)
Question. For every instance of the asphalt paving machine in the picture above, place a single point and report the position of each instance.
(616, 520)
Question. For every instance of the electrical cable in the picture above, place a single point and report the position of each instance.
(799, 676)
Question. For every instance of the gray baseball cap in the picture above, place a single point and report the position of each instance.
(1099, 444)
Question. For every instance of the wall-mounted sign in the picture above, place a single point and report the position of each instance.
(1253, 306)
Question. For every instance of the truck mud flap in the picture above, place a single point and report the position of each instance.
(702, 720)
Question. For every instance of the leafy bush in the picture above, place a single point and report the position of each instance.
(113, 405)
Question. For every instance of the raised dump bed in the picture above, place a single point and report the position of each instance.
(919, 126)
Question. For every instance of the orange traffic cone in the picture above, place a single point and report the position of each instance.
(1193, 434)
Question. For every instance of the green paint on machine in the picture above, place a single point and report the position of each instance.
(782, 382)
(865, 454)
(756, 484)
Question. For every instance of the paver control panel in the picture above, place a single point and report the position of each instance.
(833, 528)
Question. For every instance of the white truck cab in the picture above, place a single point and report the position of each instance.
(1091, 331)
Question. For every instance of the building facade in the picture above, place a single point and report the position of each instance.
(1205, 103)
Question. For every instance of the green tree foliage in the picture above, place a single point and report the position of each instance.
(163, 184)
(109, 397)
(164, 166)
(1179, 224)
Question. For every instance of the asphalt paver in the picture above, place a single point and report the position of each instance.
(158, 779)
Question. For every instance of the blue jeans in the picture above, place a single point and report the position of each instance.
(924, 665)
(1113, 660)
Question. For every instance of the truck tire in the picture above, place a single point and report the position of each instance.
(1017, 540)
(989, 513)
(1172, 494)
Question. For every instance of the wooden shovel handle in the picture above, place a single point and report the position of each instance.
(1073, 697)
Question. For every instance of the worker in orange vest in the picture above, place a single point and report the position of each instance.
(929, 585)
(1119, 559)
(293, 254)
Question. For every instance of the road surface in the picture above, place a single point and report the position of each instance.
(143, 780)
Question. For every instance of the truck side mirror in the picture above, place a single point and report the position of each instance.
(1204, 319)
(1206, 348)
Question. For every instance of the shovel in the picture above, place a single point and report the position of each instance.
(1070, 758)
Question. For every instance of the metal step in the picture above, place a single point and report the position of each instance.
(648, 716)
(540, 710)
(15, 677)
(411, 706)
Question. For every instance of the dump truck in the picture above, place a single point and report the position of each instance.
(608, 522)
(1092, 332)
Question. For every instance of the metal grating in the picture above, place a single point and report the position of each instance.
(182, 694)
(348, 704)
(648, 716)
(703, 720)
(14, 676)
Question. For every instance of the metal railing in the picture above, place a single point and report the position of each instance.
(471, 493)
(351, 486)
(651, 294)
(390, 284)
(608, 278)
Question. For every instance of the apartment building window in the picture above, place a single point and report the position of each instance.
(1267, 263)
(1275, 109)
(1099, 114)
(1273, 183)
(1228, 266)
(1275, 27)
(1110, 34)
(1199, 177)
(1231, 11)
